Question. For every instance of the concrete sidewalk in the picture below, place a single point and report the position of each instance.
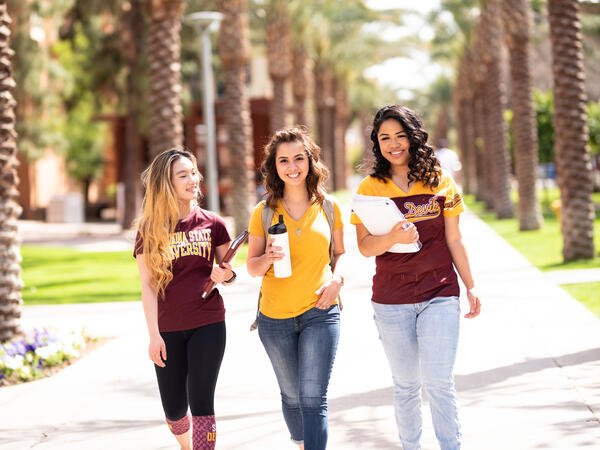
(527, 371)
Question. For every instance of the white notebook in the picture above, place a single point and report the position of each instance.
(379, 215)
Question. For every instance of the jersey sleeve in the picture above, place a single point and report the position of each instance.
(364, 188)
(220, 231)
(139, 245)
(255, 228)
(453, 205)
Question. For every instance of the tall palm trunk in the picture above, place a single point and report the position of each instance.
(300, 80)
(324, 104)
(234, 45)
(133, 27)
(10, 257)
(574, 172)
(466, 121)
(279, 57)
(517, 21)
(165, 121)
(496, 136)
(341, 122)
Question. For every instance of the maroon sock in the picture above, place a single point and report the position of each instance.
(179, 426)
(204, 433)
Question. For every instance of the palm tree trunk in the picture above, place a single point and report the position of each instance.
(300, 80)
(517, 21)
(10, 276)
(279, 57)
(496, 135)
(340, 122)
(133, 29)
(324, 117)
(233, 48)
(165, 121)
(574, 172)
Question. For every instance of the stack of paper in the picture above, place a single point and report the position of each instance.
(379, 215)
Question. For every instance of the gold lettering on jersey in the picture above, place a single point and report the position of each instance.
(429, 210)
(451, 203)
(192, 243)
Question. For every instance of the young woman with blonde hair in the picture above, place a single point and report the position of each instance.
(176, 247)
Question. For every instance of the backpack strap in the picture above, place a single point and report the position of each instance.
(329, 210)
(266, 218)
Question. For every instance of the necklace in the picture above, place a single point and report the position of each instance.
(286, 207)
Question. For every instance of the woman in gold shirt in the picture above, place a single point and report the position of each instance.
(299, 317)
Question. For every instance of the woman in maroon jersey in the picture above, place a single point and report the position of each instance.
(415, 295)
(176, 247)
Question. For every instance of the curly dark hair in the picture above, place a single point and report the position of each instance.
(317, 172)
(423, 165)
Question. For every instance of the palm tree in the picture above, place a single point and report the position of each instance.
(574, 173)
(165, 121)
(132, 35)
(496, 136)
(278, 30)
(10, 280)
(517, 21)
(234, 46)
(464, 106)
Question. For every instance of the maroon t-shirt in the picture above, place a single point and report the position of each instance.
(192, 247)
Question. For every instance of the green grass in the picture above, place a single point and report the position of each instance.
(586, 293)
(64, 275)
(543, 248)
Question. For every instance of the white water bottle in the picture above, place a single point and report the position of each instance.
(283, 267)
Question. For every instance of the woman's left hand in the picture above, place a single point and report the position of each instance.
(328, 292)
(218, 274)
(474, 303)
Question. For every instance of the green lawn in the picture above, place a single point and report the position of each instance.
(543, 248)
(65, 275)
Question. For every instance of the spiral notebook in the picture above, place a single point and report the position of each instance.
(379, 215)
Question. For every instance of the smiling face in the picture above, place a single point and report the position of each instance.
(291, 162)
(185, 180)
(394, 143)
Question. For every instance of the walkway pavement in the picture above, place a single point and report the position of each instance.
(527, 371)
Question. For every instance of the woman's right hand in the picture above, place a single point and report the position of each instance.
(272, 252)
(156, 350)
(404, 232)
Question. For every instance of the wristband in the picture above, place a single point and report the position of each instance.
(232, 279)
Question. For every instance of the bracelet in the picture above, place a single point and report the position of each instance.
(232, 279)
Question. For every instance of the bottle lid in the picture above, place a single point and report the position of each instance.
(278, 228)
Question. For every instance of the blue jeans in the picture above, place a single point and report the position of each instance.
(420, 342)
(302, 350)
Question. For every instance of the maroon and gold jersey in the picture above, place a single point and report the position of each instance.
(402, 278)
(192, 248)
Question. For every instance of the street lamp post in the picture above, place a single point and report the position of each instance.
(204, 23)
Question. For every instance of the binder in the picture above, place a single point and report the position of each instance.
(379, 215)
(229, 255)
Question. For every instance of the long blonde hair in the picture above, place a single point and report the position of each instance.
(160, 214)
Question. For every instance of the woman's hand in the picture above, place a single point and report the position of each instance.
(157, 349)
(328, 292)
(221, 274)
(272, 252)
(404, 232)
(474, 303)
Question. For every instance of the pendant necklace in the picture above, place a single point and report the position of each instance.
(285, 206)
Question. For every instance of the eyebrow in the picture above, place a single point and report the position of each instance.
(181, 171)
(297, 154)
(398, 132)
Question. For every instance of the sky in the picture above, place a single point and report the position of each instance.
(414, 72)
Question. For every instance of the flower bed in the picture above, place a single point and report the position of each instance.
(37, 351)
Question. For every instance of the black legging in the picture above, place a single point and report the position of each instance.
(192, 366)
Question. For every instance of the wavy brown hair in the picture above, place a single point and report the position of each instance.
(423, 165)
(317, 172)
(160, 214)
